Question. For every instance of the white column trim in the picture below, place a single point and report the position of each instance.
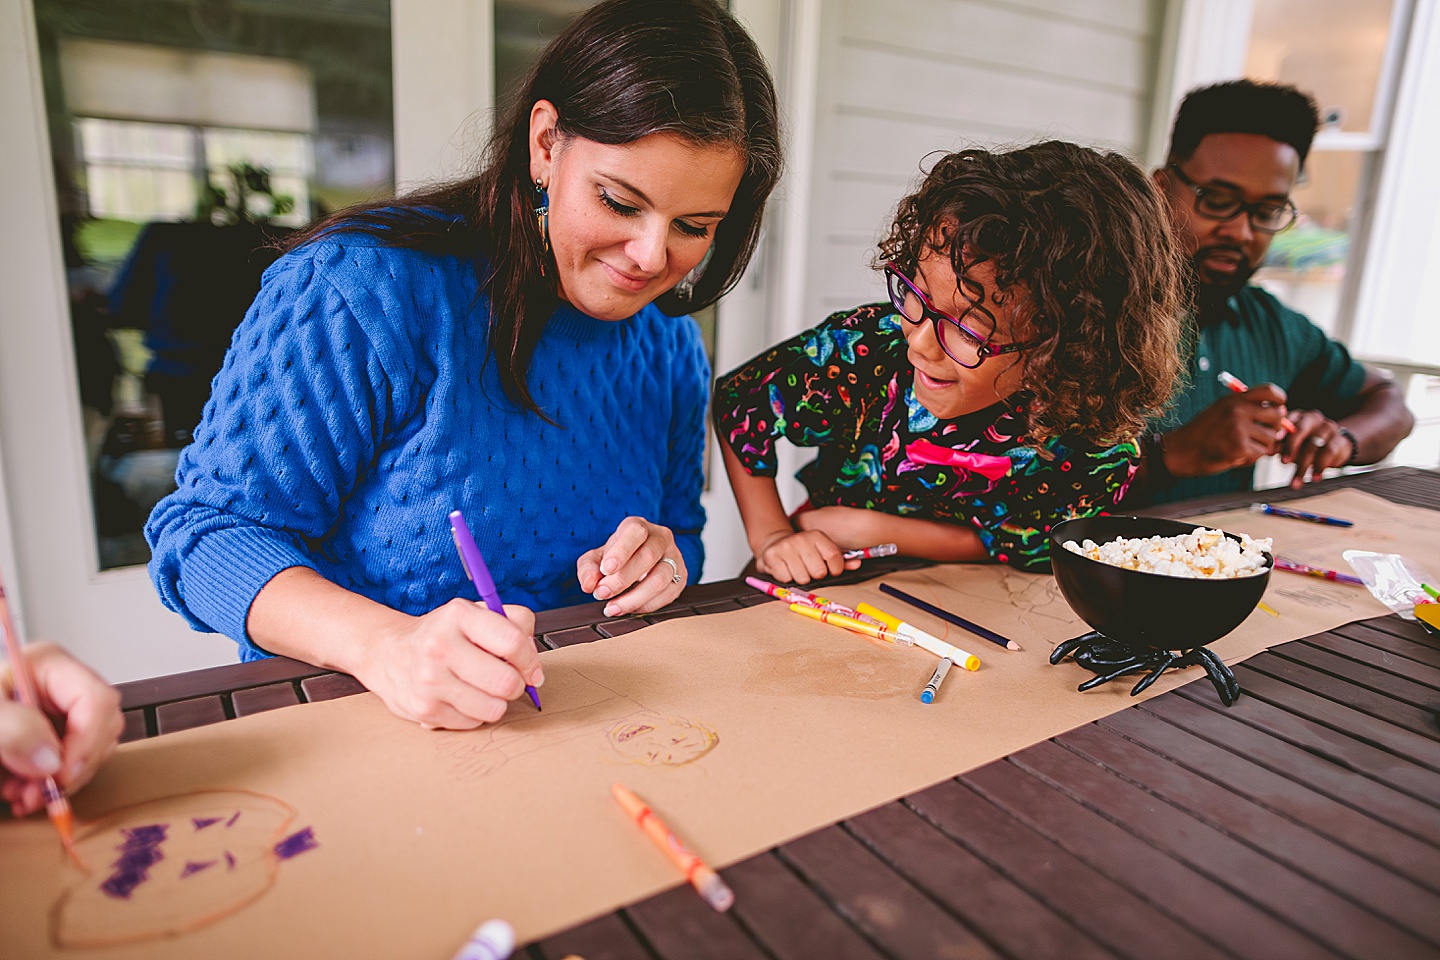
(443, 63)
(802, 117)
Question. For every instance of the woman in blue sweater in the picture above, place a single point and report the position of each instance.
(508, 346)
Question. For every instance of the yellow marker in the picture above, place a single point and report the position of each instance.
(941, 648)
(1269, 609)
(1428, 613)
(874, 631)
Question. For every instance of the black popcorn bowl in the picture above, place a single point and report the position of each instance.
(1148, 611)
(1147, 622)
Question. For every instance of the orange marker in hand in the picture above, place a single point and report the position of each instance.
(56, 804)
(706, 881)
(1235, 385)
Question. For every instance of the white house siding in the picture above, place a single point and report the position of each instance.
(902, 78)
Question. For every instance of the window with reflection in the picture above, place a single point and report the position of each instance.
(189, 137)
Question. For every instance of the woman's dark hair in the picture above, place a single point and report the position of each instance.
(1275, 110)
(1082, 235)
(623, 70)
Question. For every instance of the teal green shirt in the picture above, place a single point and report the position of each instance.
(1260, 340)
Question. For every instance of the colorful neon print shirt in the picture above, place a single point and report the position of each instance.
(847, 388)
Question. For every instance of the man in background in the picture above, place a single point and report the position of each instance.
(1236, 153)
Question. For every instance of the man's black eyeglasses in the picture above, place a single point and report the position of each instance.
(1218, 203)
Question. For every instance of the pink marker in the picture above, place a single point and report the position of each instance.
(787, 595)
(795, 595)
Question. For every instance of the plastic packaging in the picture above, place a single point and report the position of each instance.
(1394, 580)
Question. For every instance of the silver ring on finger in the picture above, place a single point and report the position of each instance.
(674, 571)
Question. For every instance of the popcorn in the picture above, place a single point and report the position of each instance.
(1201, 554)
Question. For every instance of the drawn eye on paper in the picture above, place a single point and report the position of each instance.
(578, 710)
(176, 864)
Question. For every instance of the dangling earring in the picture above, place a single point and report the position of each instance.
(685, 289)
(542, 222)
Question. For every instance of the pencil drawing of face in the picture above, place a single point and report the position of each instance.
(661, 741)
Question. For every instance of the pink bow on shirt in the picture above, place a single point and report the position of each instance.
(990, 467)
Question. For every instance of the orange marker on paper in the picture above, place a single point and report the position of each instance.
(1235, 385)
(705, 881)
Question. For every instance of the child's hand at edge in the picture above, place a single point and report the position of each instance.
(801, 557)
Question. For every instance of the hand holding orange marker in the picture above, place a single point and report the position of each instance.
(705, 881)
(56, 803)
(1235, 385)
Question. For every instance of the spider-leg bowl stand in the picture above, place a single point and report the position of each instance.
(1146, 622)
(1110, 659)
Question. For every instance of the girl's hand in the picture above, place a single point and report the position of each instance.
(639, 566)
(801, 557)
(85, 706)
(457, 667)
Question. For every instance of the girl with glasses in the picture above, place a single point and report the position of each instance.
(1031, 328)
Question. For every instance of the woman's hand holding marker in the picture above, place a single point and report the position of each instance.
(639, 569)
(455, 668)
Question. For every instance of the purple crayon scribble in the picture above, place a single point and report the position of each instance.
(195, 866)
(202, 822)
(296, 843)
(139, 852)
(229, 861)
(231, 821)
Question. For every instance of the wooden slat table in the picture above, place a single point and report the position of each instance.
(1302, 822)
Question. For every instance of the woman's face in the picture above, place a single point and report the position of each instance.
(944, 387)
(627, 222)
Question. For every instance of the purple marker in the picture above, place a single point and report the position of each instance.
(479, 575)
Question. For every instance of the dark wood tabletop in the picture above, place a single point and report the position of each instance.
(1301, 822)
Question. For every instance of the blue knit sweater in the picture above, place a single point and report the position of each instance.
(359, 405)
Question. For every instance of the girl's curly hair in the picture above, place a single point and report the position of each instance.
(1086, 235)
